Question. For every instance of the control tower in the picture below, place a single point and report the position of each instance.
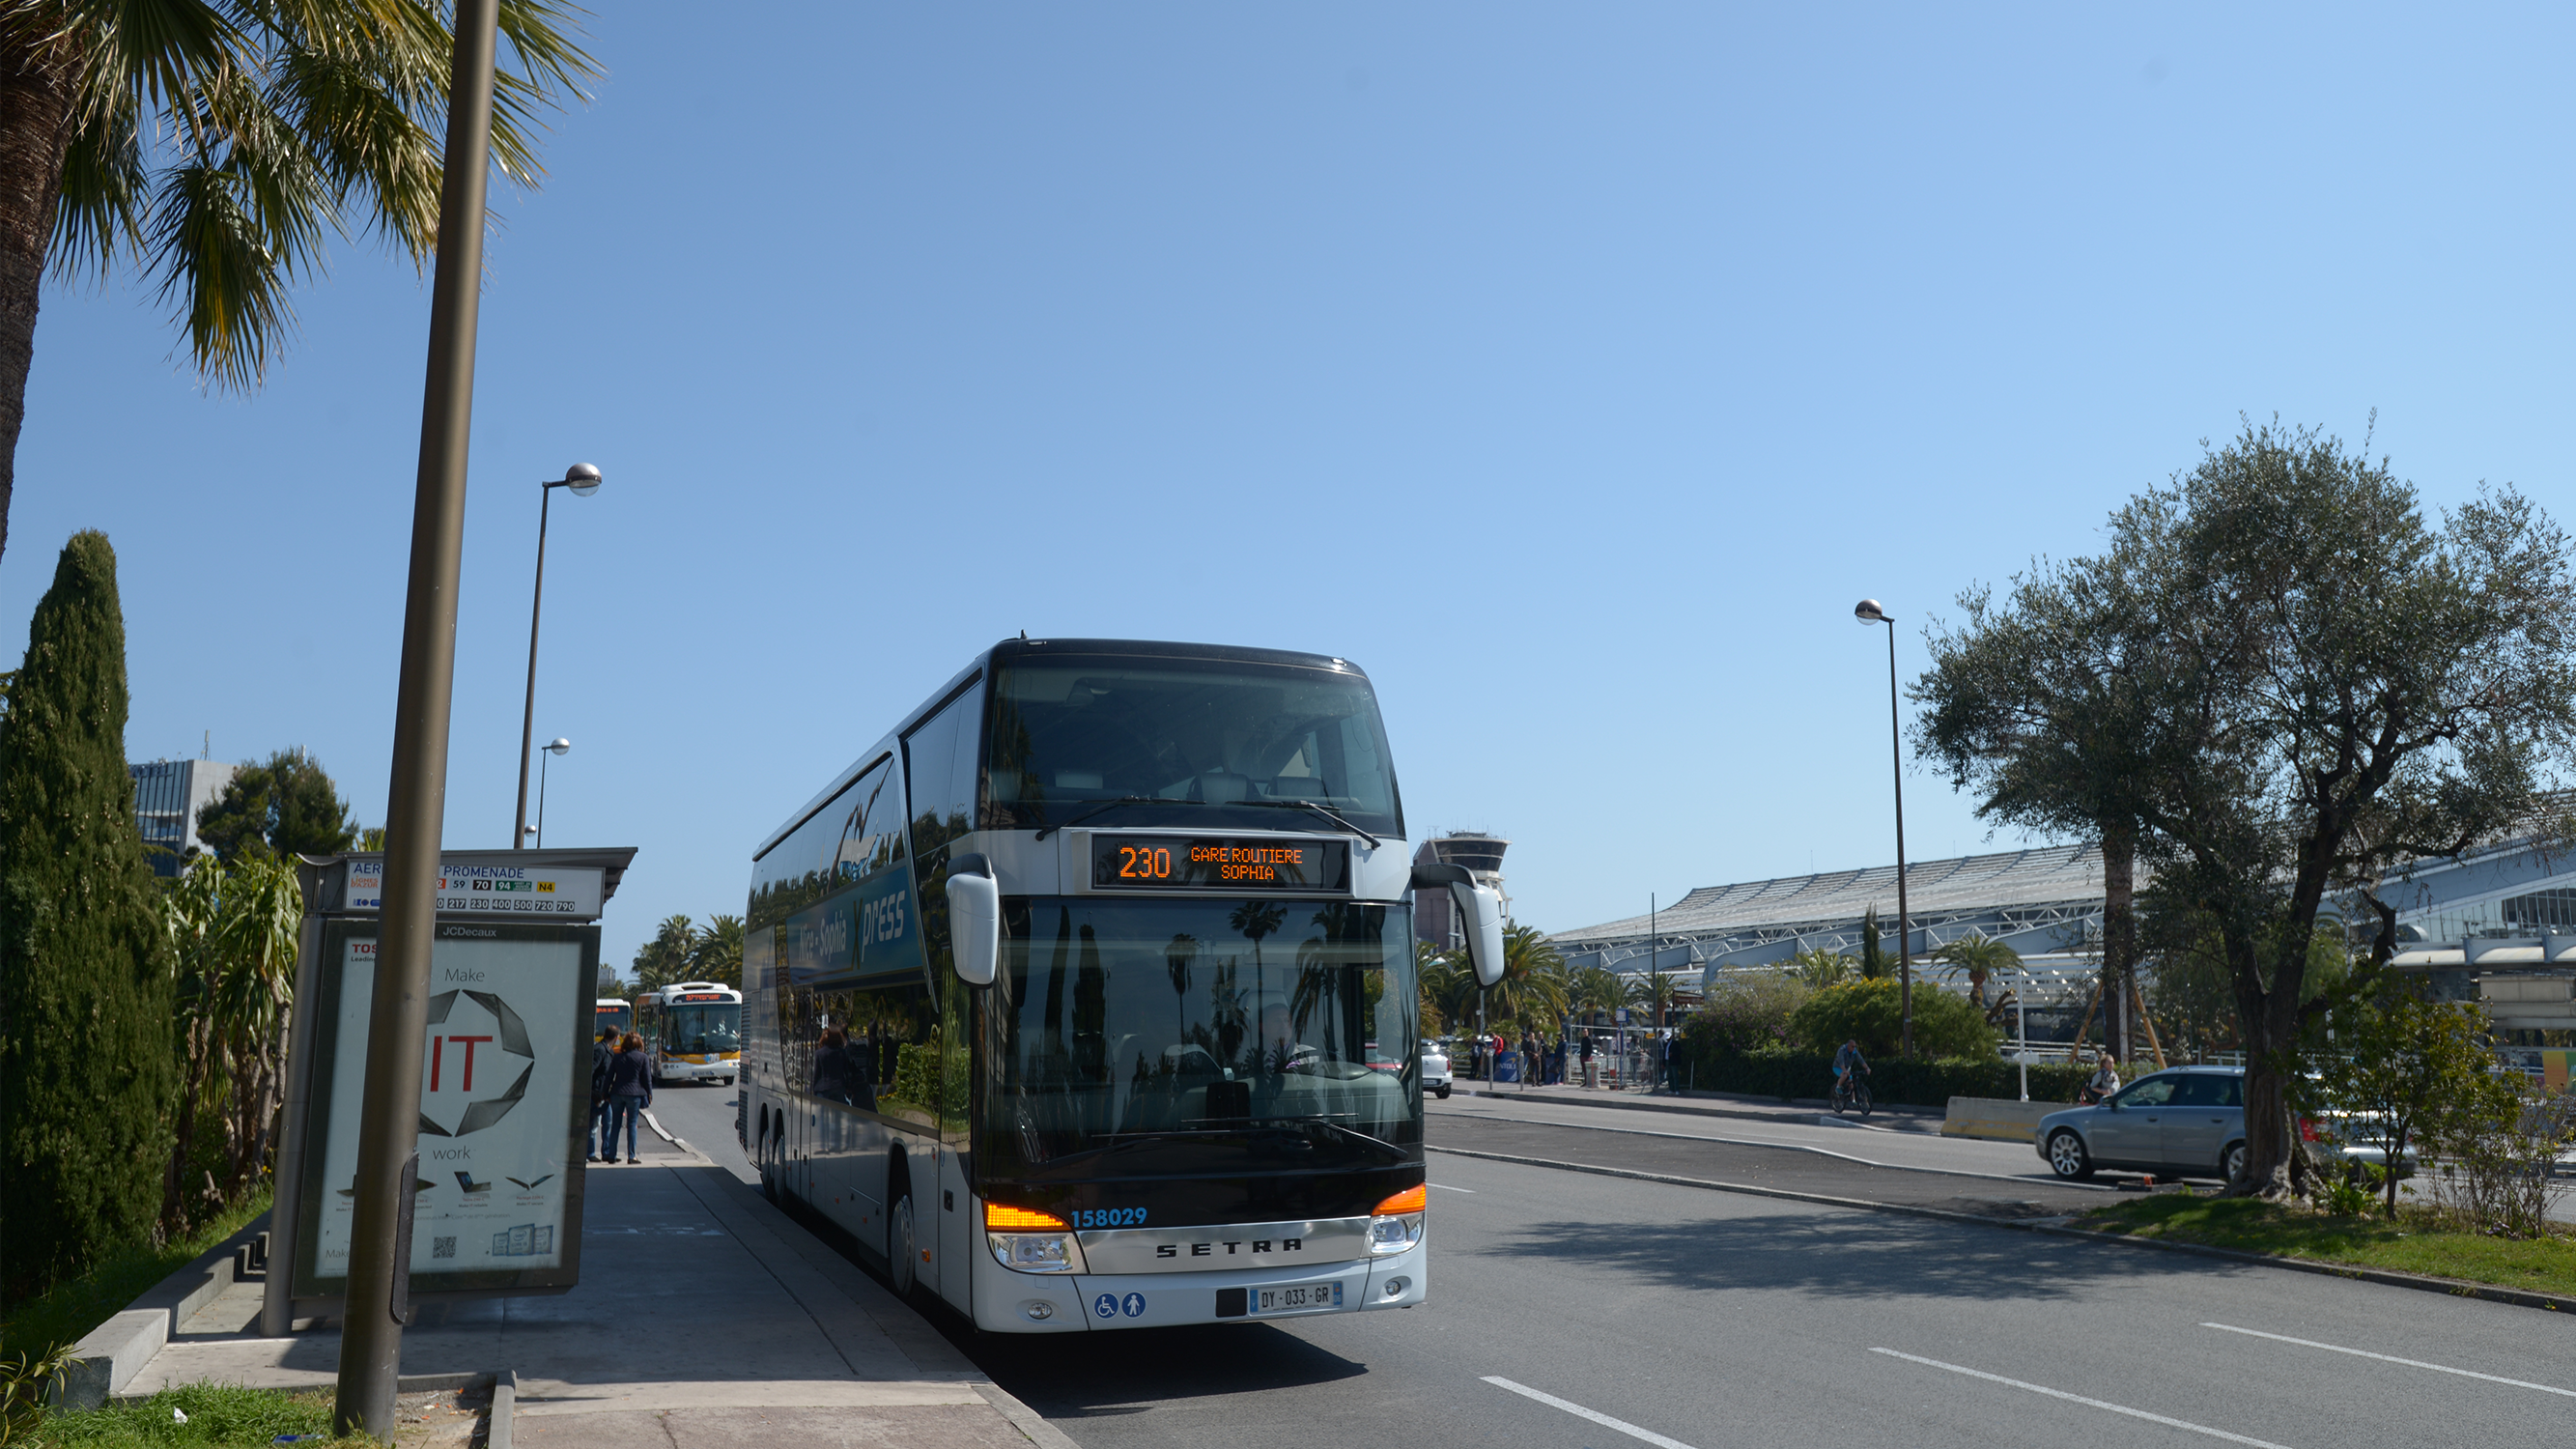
(1435, 917)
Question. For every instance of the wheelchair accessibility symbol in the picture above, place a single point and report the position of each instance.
(1106, 1305)
(1133, 1305)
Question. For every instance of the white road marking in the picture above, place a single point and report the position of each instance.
(1604, 1420)
(2389, 1358)
(2080, 1399)
(1444, 1187)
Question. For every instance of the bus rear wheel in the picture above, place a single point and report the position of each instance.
(902, 1260)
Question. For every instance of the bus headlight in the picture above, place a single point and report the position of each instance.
(1036, 1252)
(1026, 1240)
(1397, 1222)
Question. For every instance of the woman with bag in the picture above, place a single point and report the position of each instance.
(630, 1092)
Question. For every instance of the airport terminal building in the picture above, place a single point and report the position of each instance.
(2497, 925)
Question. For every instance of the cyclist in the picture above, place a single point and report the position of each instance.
(1844, 1061)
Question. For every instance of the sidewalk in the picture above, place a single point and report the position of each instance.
(705, 1316)
(1701, 1104)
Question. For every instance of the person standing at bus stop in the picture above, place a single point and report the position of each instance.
(603, 1075)
(630, 1092)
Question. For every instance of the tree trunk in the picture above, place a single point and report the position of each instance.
(2270, 1021)
(2119, 929)
(35, 125)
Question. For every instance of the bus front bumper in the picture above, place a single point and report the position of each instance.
(686, 1069)
(1009, 1302)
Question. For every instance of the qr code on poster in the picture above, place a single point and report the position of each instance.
(442, 1247)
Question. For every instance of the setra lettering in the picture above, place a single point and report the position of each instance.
(1200, 1250)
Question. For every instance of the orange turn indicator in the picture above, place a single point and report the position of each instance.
(998, 1218)
(1411, 1200)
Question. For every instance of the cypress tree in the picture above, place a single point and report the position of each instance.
(86, 1070)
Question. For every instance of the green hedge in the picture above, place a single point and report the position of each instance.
(1891, 1080)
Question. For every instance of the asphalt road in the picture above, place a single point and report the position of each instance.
(1701, 1319)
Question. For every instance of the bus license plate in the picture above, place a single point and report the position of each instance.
(1297, 1298)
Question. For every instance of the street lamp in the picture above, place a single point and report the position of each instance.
(583, 480)
(558, 746)
(1867, 611)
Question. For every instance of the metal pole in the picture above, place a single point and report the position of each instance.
(528, 719)
(2021, 1029)
(379, 1267)
(1904, 932)
(541, 798)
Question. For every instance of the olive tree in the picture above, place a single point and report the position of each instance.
(2344, 686)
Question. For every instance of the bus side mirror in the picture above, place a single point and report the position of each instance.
(1480, 912)
(974, 919)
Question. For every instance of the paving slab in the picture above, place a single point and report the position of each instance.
(704, 1315)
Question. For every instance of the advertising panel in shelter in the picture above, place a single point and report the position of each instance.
(504, 1089)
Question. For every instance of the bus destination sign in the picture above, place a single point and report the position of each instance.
(1206, 863)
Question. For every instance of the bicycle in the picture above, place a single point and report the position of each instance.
(1851, 1092)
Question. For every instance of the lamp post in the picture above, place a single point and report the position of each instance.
(583, 480)
(1868, 612)
(377, 1302)
(556, 747)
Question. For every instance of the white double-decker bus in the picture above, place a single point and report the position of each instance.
(692, 1031)
(1086, 995)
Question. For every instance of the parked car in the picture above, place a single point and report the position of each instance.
(1435, 1070)
(2183, 1121)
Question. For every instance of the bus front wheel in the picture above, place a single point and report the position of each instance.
(902, 1252)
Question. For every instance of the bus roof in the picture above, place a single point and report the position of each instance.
(1015, 648)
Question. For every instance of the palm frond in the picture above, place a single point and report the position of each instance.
(104, 187)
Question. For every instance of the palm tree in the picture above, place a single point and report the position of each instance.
(216, 145)
(1597, 989)
(1533, 989)
(1447, 988)
(1817, 966)
(1975, 957)
(715, 951)
(1655, 989)
(665, 958)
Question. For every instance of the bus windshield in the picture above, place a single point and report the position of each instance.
(1072, 733)
(1134, 1038)
(696, 1029)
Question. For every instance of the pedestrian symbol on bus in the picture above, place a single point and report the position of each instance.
(1106, 1305)
(1134, 1306)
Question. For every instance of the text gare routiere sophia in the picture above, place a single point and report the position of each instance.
(1262, 863)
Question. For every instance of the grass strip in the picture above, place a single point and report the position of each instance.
(2417, 1242)
(68, 1311)
(217, 1416)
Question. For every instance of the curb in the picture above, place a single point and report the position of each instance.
(1669, 1104)
(1797, 1147)
(2425, 1283)
(505, 1404)
(1023, 1418)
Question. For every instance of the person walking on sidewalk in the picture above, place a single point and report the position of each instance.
(603, 1075)
(1529, 1057)
(630, 1092)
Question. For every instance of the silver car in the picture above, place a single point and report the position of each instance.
(1435, 1070)
(2181, 1122)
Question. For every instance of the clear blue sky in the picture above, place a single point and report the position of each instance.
(1572, 368)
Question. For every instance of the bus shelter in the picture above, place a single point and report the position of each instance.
(505, 1081)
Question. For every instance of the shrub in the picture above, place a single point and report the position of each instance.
(1894, 1081)
(86, 1047)
(1746, 1013)
(1871, 1013)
